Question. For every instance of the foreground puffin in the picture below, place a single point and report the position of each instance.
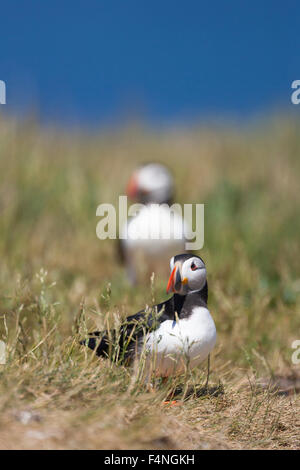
(174, 334)
(150, 238)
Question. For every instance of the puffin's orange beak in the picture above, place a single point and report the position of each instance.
(175, 282)
(171, 282)
(132, 187)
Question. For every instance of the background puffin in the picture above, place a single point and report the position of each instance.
(174, 333)
(151, 184)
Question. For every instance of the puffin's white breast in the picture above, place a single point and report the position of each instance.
(187, 342)
(154, 228)
(151, 238)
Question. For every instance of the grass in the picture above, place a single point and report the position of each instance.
(58, 281)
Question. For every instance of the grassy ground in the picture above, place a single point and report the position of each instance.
(58, 280)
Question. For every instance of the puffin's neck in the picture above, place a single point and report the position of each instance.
(148, 201)
(197, 298)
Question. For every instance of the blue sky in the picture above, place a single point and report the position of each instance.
(93, 62)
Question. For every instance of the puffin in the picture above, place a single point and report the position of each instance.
(155, 232)
(171, 336)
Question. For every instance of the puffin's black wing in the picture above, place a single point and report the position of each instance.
(97, 340)
(120, 254)
(121, 345)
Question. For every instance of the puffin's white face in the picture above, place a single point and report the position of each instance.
(152, 183)
(188, 274)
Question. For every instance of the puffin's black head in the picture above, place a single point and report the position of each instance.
(188, 274)
(151, 183)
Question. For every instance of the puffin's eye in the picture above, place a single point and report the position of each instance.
(193, 267)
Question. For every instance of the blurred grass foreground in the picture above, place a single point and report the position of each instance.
(58, 281)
